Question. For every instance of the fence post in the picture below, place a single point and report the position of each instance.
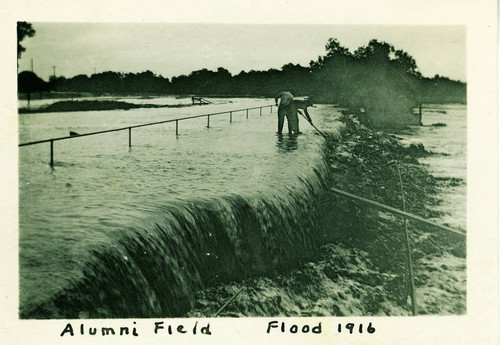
(51, 141)
(51, 153)
(409, 264)
(420, 113)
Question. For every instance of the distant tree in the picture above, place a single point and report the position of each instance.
(333, 48)
(24, 29)
(376, 77)
(408, 63)
(55, 82)
(332, 73)
(29, 82)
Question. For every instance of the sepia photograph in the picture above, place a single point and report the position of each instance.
(249, 173)
(311, 171)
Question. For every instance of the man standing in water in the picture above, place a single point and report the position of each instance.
(295, 107)
(284, 109)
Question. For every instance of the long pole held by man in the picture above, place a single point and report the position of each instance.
(289, 107)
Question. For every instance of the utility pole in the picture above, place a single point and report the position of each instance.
(54, 68)
(32, 71)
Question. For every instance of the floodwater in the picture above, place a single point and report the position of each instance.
(444, 133)
(177, 101)
(113, 231)
(342, 280)
(107, 213)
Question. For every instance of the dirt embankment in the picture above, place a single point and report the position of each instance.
(361, 270)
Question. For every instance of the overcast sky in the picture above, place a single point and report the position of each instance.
(175, 49)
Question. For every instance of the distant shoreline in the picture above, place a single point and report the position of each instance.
(98, 105)
(70, 106)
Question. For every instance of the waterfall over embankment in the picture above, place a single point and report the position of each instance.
(154, 269)
(112, 231)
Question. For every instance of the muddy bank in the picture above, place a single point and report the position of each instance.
(68, 106)
(361, 269)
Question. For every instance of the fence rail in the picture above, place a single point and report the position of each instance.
(129, 128)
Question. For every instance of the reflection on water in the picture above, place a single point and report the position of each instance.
(286, 143)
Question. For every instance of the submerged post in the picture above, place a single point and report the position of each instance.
(51, 153)
(420, 113)
(129, 128)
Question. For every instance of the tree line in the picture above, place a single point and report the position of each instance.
(377, 77)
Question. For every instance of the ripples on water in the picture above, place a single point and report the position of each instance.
(165, 217)
(449, 161)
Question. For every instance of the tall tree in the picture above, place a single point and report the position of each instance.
(24, 29)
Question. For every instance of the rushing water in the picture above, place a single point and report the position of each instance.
(343, 281)
(116, 232)
(444, 133)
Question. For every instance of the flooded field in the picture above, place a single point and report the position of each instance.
(101, 196)
(183, 223)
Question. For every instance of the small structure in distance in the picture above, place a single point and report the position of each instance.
(199, 100)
